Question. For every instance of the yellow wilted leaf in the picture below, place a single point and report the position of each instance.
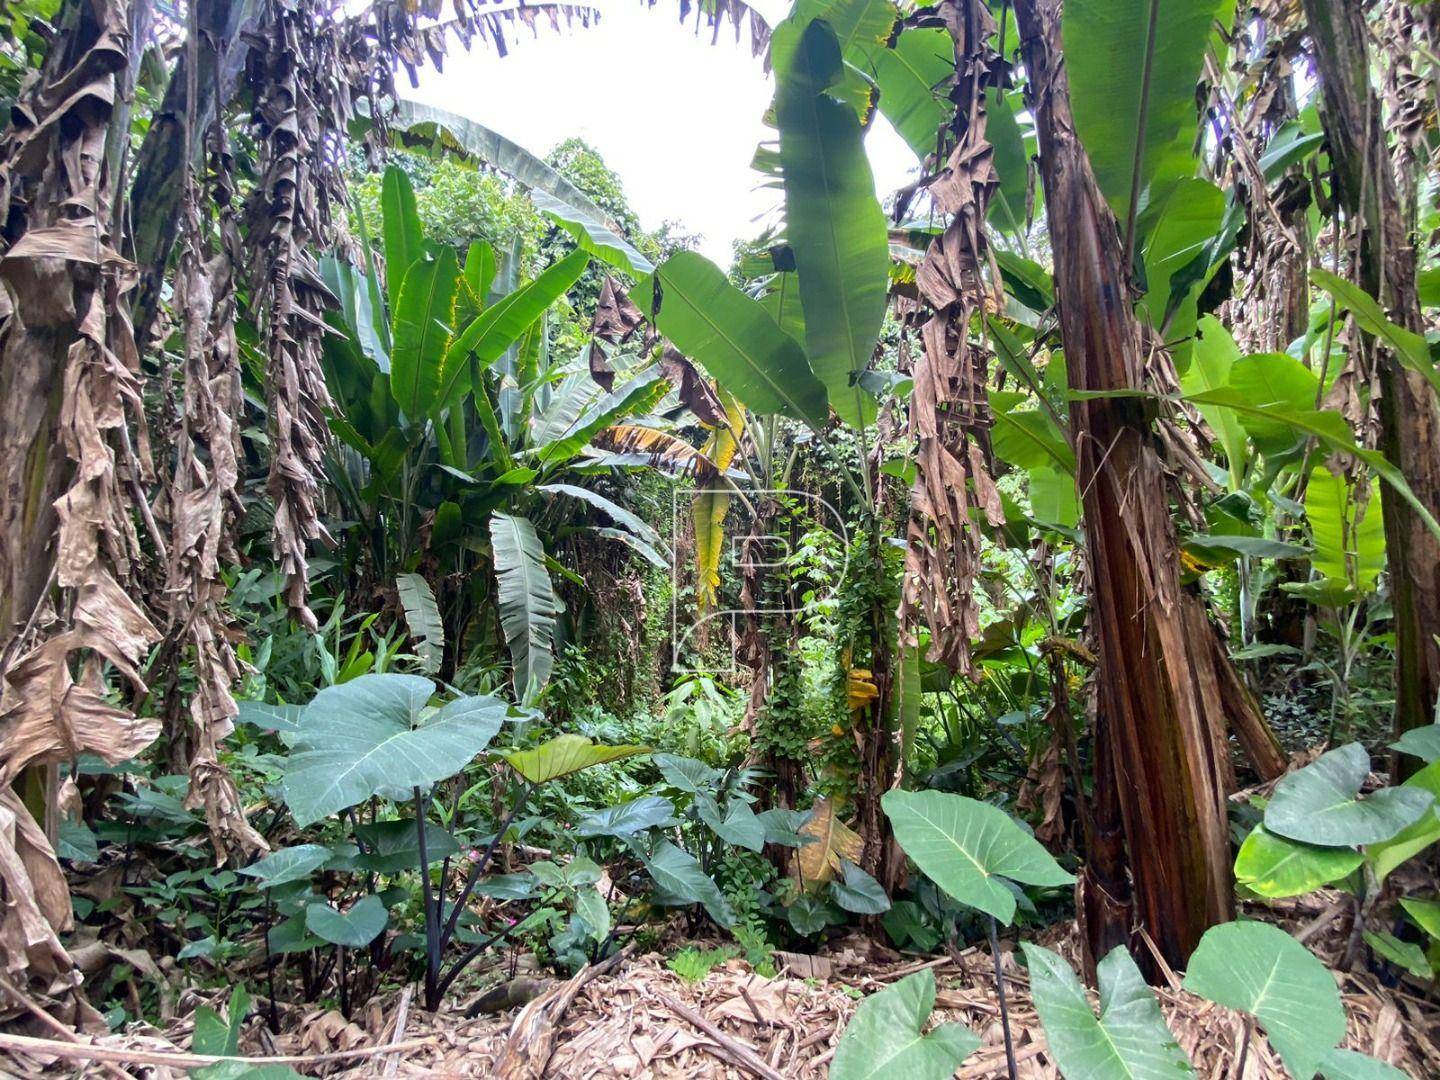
(860, 688)
(819, 862)
(710, 507)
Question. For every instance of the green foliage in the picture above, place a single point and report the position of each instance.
(1260, 969)
(376, 735)
(694, 965)
(1128, 1042)
(1320, 803)
(834, 223)
(736, 339)
(563, 755)
(1117, 78)
(969, 848)
(886, 1038)
(1271, 865)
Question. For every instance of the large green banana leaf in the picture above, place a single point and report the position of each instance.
(1117, 76)
(834, 223)
(423, 319)
(528, 605)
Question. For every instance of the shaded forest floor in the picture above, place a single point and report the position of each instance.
(639, 1019)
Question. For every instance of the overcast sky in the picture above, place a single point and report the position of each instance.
(677, 117)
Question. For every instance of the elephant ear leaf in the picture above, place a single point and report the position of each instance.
(1129, 1041)
(1353, 1065)
(563, 755)
(528, 605)
(966, 847)
(374, 736)
(886, 1040)
(1320, 803)
(422, 616)
(1273, 866)
(1261, 970)
(355, 928)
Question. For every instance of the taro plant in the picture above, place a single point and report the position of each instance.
(974, 852)
(1318, 830)
(377, 741)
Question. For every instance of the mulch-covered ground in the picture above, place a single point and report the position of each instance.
(637, 1019)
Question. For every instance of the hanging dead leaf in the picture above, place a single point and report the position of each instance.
(818, 861)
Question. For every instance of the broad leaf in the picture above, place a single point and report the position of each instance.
(1128, 1042)
(423, 318)
(1403, 954)
(739, 826)
(590, 905)
(1271, 865)
(784, 827)
(373, 734)
(270, 717)
(354, 929)
(1422, 742)
(288, 864)
(1212, 356)
(1353, 1065)
(1349, 535)
(422, 616)
(502, 324)
(618, 514)
(404, 241)
(1407, 345)
(886, 1038)
(563, 755)
(830, 843)
(1105, 43)
(833, 223)
(966, 847)
(1319, 804)
(395, 846)
(528, 605)
(735, 339)
(858, 892)
(910, 75)
(687, 774)
(1413, 839)
(1273, 381)
(551, 193)
(1260, 969)
(680, 876)
(629, 818)
(638, 395)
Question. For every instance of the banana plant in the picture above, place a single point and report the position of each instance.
(453, 418)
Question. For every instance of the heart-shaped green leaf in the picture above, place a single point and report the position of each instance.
(1319, 803)
(1128, 1042)
(355, 928)
(1353, 1065)
(627, 819)
(1413, 839)
(966, 847)
(886, 1040)
(1271, 865)
(858, 892)
(1423, 742)
(1260, 969)
(680, 877)
(372, 735)
(395, 845)
(563, 755)
(739, 826)
(288, 864)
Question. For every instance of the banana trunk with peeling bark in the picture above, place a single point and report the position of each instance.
(1158, 684)
(1408, 406)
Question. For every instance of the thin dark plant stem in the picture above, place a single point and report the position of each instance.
(1000, 991)
(471, 955)
(270, 964)
(477, 868)
(1244, 1048)
(432, 914)
(344, 984)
